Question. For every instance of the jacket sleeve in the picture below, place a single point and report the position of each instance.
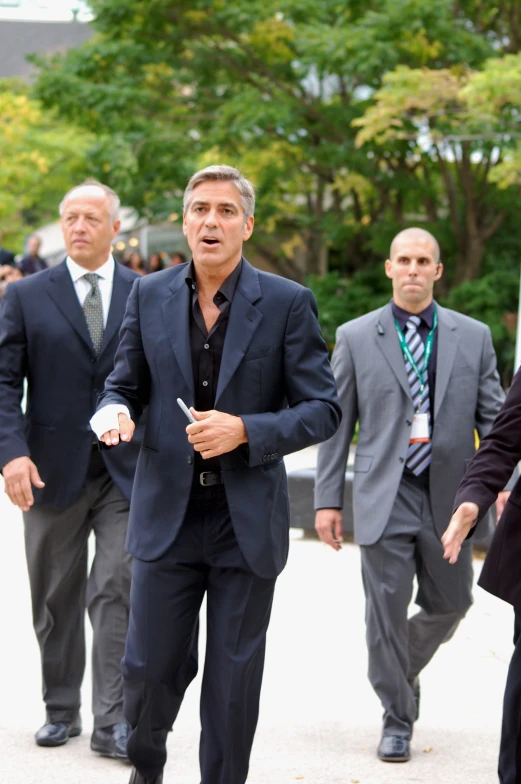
(490, 392)
(13, 364)
(333, 454)
(129, 382)
(313, 412)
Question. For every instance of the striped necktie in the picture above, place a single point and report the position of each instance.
(418, 454)
(94, 312)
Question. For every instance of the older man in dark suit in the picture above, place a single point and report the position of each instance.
(59, 331)
(210, 511)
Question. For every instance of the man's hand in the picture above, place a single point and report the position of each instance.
(328, 525)
(216, 433)
(126, 431)
(462, 521)
(19, 476)
(501, 502)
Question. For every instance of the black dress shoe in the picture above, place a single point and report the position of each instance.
(111, 741)
(137, 778)
(394, 748)
(56, 733)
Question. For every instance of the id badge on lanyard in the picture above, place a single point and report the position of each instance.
(420, 429)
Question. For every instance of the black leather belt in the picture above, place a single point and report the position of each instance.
(210, 478)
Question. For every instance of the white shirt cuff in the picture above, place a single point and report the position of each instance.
(107, 418)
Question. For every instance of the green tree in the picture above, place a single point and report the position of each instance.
(41, 155)
(274, 88)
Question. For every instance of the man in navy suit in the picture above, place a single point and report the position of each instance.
(59, 332)
(210, 512)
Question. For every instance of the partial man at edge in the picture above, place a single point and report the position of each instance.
(59, 331)
(210, 511)
(419, 379)
(496, 458)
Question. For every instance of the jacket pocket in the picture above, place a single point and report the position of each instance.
(362, 463)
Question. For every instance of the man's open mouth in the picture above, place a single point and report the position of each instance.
(210, 240)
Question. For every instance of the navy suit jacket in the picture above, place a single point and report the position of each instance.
(6, 257)
(44, 338)
(274, 373)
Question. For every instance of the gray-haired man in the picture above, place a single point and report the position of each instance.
(210, 510)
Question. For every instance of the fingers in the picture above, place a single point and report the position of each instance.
(126, 427)
(125, 432)
(35, 477)
(328, 525)
(110, 438)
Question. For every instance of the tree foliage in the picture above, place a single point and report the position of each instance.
(40, 157)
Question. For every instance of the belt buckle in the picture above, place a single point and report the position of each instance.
(202, 478)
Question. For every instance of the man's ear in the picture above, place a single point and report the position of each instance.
(439, 271)
(388, 268)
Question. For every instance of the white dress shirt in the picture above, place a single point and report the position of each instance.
(106, 418)
(83, 287)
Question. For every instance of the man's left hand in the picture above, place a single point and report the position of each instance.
(216, 433)
(502, 499)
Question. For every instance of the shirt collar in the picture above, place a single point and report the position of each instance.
(106, 271)
(227, 288)
(402, 316)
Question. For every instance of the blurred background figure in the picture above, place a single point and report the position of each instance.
(135, 262)
(155, 263)
(8, 274)
(6, 256)
(177, 258)
(33, 262)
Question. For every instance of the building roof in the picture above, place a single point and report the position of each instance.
(18, 39)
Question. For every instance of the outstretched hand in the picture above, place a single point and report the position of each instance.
(458, 529)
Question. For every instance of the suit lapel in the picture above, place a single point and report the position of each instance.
(61, 290)
(118, 301)
(176, 315)
(243, 321)
(447, 346)
(387, 342)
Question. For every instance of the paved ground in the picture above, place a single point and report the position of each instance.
(320, 721)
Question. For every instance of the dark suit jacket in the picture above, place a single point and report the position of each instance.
(6, 257)
(488, 473)
(31, 264)
(274, 373)
(44, 338)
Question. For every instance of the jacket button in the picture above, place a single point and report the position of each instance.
(189, 460)
(400, 459)
(408, 422)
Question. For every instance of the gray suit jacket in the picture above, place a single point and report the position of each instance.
(372, 384)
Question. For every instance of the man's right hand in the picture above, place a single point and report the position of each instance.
(328, 525)
(461, 522)
(19, 476)
(125, 433)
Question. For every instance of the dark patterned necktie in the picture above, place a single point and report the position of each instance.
(418, 454)
(94, 312)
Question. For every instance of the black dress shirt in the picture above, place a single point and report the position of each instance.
(206, 350)
(425, 327)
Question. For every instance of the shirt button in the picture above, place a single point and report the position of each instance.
(205, 383)
(193, 286)
(207, 345)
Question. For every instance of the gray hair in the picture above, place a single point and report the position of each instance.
(415, 232)
(112, 196)
(225, 174)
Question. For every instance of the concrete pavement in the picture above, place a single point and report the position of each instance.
(319, 722)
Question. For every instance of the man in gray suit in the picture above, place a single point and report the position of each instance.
(419, 379)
